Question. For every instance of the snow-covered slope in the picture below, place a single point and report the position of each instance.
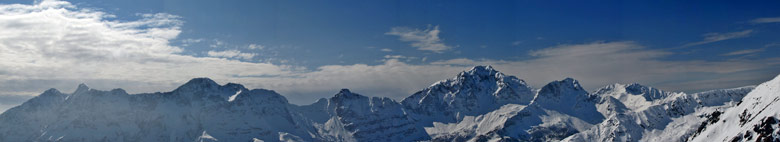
(669, 117)
(755, 118)
(635, 96)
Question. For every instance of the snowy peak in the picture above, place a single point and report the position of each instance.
(81, 88)
(481, 72)
(569, 88)
(567, 97)
(52, 92)
(346, 94)
(473, 92)
(635, 96)
(202, 83)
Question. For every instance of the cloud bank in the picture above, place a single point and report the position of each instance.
(765, 20)
(715, 37)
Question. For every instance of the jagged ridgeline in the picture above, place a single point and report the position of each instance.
(481, 104)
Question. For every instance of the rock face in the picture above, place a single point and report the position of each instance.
(674, 117)
(480, 104)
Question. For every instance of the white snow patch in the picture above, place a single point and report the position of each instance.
(233, 97)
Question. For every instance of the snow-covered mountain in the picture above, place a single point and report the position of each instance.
(477, 91)
(755, 118)
(560, 109)
(674, 116)
(480, 104)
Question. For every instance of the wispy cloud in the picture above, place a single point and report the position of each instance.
(715, 37)
(256, 46)
(765, 20)
(190, 41)
(744, 52)
(386, 50)
(217, 43)
(427, 40)
(750, 51)
(231, 54)
(516, 43)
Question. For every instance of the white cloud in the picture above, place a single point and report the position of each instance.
(426, 40)
(386, 50)
(57, 42)
(765, 20)
(744, 52)
(516, 43)
(190, 41)
(217, 43)
(231, 54)
(715, 37)
(256, 46)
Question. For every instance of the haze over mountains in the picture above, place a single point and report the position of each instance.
(481, 104)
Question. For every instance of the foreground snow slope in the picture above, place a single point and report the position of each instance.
(754, 119)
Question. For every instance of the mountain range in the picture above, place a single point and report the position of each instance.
(481, 104)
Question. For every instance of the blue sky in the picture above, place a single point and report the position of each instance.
(316, 33)
(310, 49)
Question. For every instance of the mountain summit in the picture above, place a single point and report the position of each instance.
(473, 92)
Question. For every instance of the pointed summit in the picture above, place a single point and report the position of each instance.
(82, 88)
(483, 69)
(199, 83)
(568, 84)
(480, 71)
(346, 94)
(473, 92)
(568, 97)
(51, 91)
(345, 90)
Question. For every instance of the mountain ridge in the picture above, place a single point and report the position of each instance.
(479, 104)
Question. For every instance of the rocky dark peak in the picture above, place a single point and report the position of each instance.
(236, 86)
(556, 87)
(636, 88)
(201, 82)
(119, 91)
(81, 88)
(346, 94)
(51, 92)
